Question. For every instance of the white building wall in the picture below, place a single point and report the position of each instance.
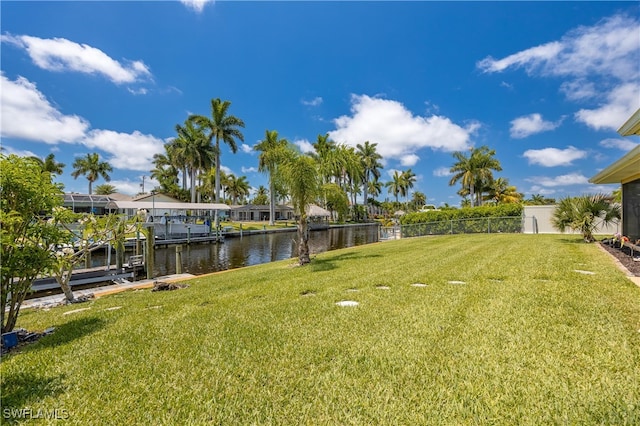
(538, 221)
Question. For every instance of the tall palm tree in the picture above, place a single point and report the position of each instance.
(197, 151)
(222, 127)
(408, 179)
(371, 165)
(325, 155)
(474, 171)
(272, 153)
(395, 184)
(301, 179)
(91, 167)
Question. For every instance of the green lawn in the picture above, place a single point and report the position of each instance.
(526, 340)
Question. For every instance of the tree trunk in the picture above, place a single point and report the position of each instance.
(303, 241)
(63, 280)
(272, 202)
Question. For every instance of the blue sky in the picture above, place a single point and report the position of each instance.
(545, 84)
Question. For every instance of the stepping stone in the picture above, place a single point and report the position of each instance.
(383, 287)
(347, 303)
(352, 290)
(584, 272)
(114, 308)
(75, 311)
(457, 282)
(153, 307)
(418, 285)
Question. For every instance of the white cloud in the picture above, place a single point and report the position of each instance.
(313, 102)
(304, 145)
(600, 59)
(27, 114)
(552, 157)
(610, 48)
(531, 124)
(409, 160)
(621, 102)
(196, 5)
(130, 187)
(537, 189)
(249, 169)
(131, 151)
(247, 149)
(59, 54)
(139, 91)
(398, 133)
(562, 180)
(621, 144)
(7, 150)
(442, 172)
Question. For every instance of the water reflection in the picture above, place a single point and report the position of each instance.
(249, 250)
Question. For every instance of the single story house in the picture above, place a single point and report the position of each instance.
(626, 171)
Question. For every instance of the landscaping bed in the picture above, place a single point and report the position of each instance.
(624, 256)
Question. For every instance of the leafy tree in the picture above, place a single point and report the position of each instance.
(301, 179)
(94, 233)
(336, 200)
(222, 127)
(272, 151)
(585, 213)
(25, 233)
(91, 167)
(105, 189)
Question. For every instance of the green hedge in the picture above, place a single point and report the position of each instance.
(502, 210)
(505, 218)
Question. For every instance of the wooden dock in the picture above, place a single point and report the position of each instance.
(88, 276)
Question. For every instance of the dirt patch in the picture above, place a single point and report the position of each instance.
(624, 256)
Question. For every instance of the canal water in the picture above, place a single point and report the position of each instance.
(236, 252)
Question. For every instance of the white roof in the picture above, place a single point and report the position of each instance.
(149, 205)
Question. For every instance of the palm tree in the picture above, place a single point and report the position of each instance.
(407, 179)
(261, 197)
(91, 167)
(371, 165)
(418, 200)
(502, 193)
(49, 164)
(196, 150)
(325, 155)
(105, 189)
(237, 187)
(222, 127)
(474, 171)
(301, 179)
(585, 214)
(395, 184)
(271, 154)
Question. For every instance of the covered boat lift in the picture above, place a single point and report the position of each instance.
(171, 220)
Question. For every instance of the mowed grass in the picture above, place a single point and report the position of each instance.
(525, 340)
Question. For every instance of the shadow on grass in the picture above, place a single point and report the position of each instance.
(67, 332)
(21, 390)
(328, 263)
